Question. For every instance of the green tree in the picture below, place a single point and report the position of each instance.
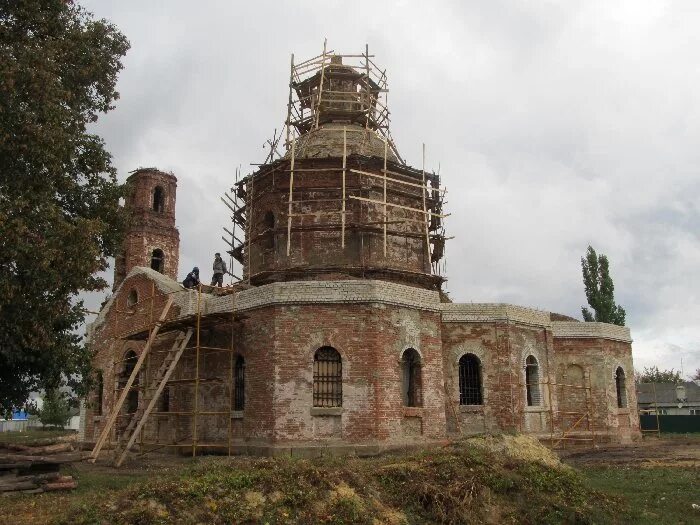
(59, 198)
(652, 374)
(55, 412)
(599, 290)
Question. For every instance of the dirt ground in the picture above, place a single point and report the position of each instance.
(651, 451)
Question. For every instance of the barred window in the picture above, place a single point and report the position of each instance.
(469, 380)
(239, 384)
(411, 378)
(620, 387)
(328, 378)
(532, 381)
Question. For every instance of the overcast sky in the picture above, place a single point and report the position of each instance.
(554, 125)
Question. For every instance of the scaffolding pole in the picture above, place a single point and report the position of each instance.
(426, 215)
(196, 384)
(320, 86)
(289, 211)
(385, 214)
(345, 154)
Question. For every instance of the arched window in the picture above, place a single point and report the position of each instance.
(532, 381)
(132, 398)
(328, 378)
(157, 260)
(620, 387)
(411, 378)
(165, 400)
(132, 298)
(269, 229)
(239, 385)
(469, 380)
(99, 393)
(158, 199)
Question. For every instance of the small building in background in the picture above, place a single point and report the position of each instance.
(669, 399)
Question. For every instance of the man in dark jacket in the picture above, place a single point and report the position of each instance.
(220, 269)
(192, 279)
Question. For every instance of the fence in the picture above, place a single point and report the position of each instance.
(675, 424)
(13, 425)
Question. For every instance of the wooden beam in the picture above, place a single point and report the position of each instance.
(291, 189)
(417, 210)
(120, 402)
(178, 347)
(345, 152)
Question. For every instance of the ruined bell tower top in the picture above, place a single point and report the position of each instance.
(152, 239)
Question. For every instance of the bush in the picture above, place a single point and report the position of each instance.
(55, 412)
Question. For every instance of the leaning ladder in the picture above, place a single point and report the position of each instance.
(162, 376)
(137, 368)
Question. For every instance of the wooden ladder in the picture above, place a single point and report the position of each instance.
(151, 397)
(104, 435)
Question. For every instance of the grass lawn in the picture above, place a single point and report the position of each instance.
(656, 495)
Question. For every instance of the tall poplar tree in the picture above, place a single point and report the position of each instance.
(600, 290)
(59, 198)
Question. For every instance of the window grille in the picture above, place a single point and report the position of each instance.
(469, 380)
(239, 384)
(411, 378)
(328, 378)
(532, 381)
(621, 388)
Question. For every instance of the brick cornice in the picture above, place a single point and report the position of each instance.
(378, 292)
(575, 330)
(489, 312)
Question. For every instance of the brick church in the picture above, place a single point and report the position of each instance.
(337, 336)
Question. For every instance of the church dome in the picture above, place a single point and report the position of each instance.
(327, 141)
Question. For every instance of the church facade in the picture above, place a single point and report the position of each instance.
(338, 336)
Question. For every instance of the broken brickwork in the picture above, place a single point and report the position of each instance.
(152, 239)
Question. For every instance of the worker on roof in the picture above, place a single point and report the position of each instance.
(192, 279)
(220, 269)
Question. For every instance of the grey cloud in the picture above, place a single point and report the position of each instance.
(554, 126)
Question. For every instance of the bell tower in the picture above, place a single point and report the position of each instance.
(152, 239)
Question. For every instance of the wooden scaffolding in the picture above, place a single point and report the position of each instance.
(153, 371)
(358, 99)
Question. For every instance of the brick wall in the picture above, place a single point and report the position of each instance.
(315, 245)
(278, 328)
